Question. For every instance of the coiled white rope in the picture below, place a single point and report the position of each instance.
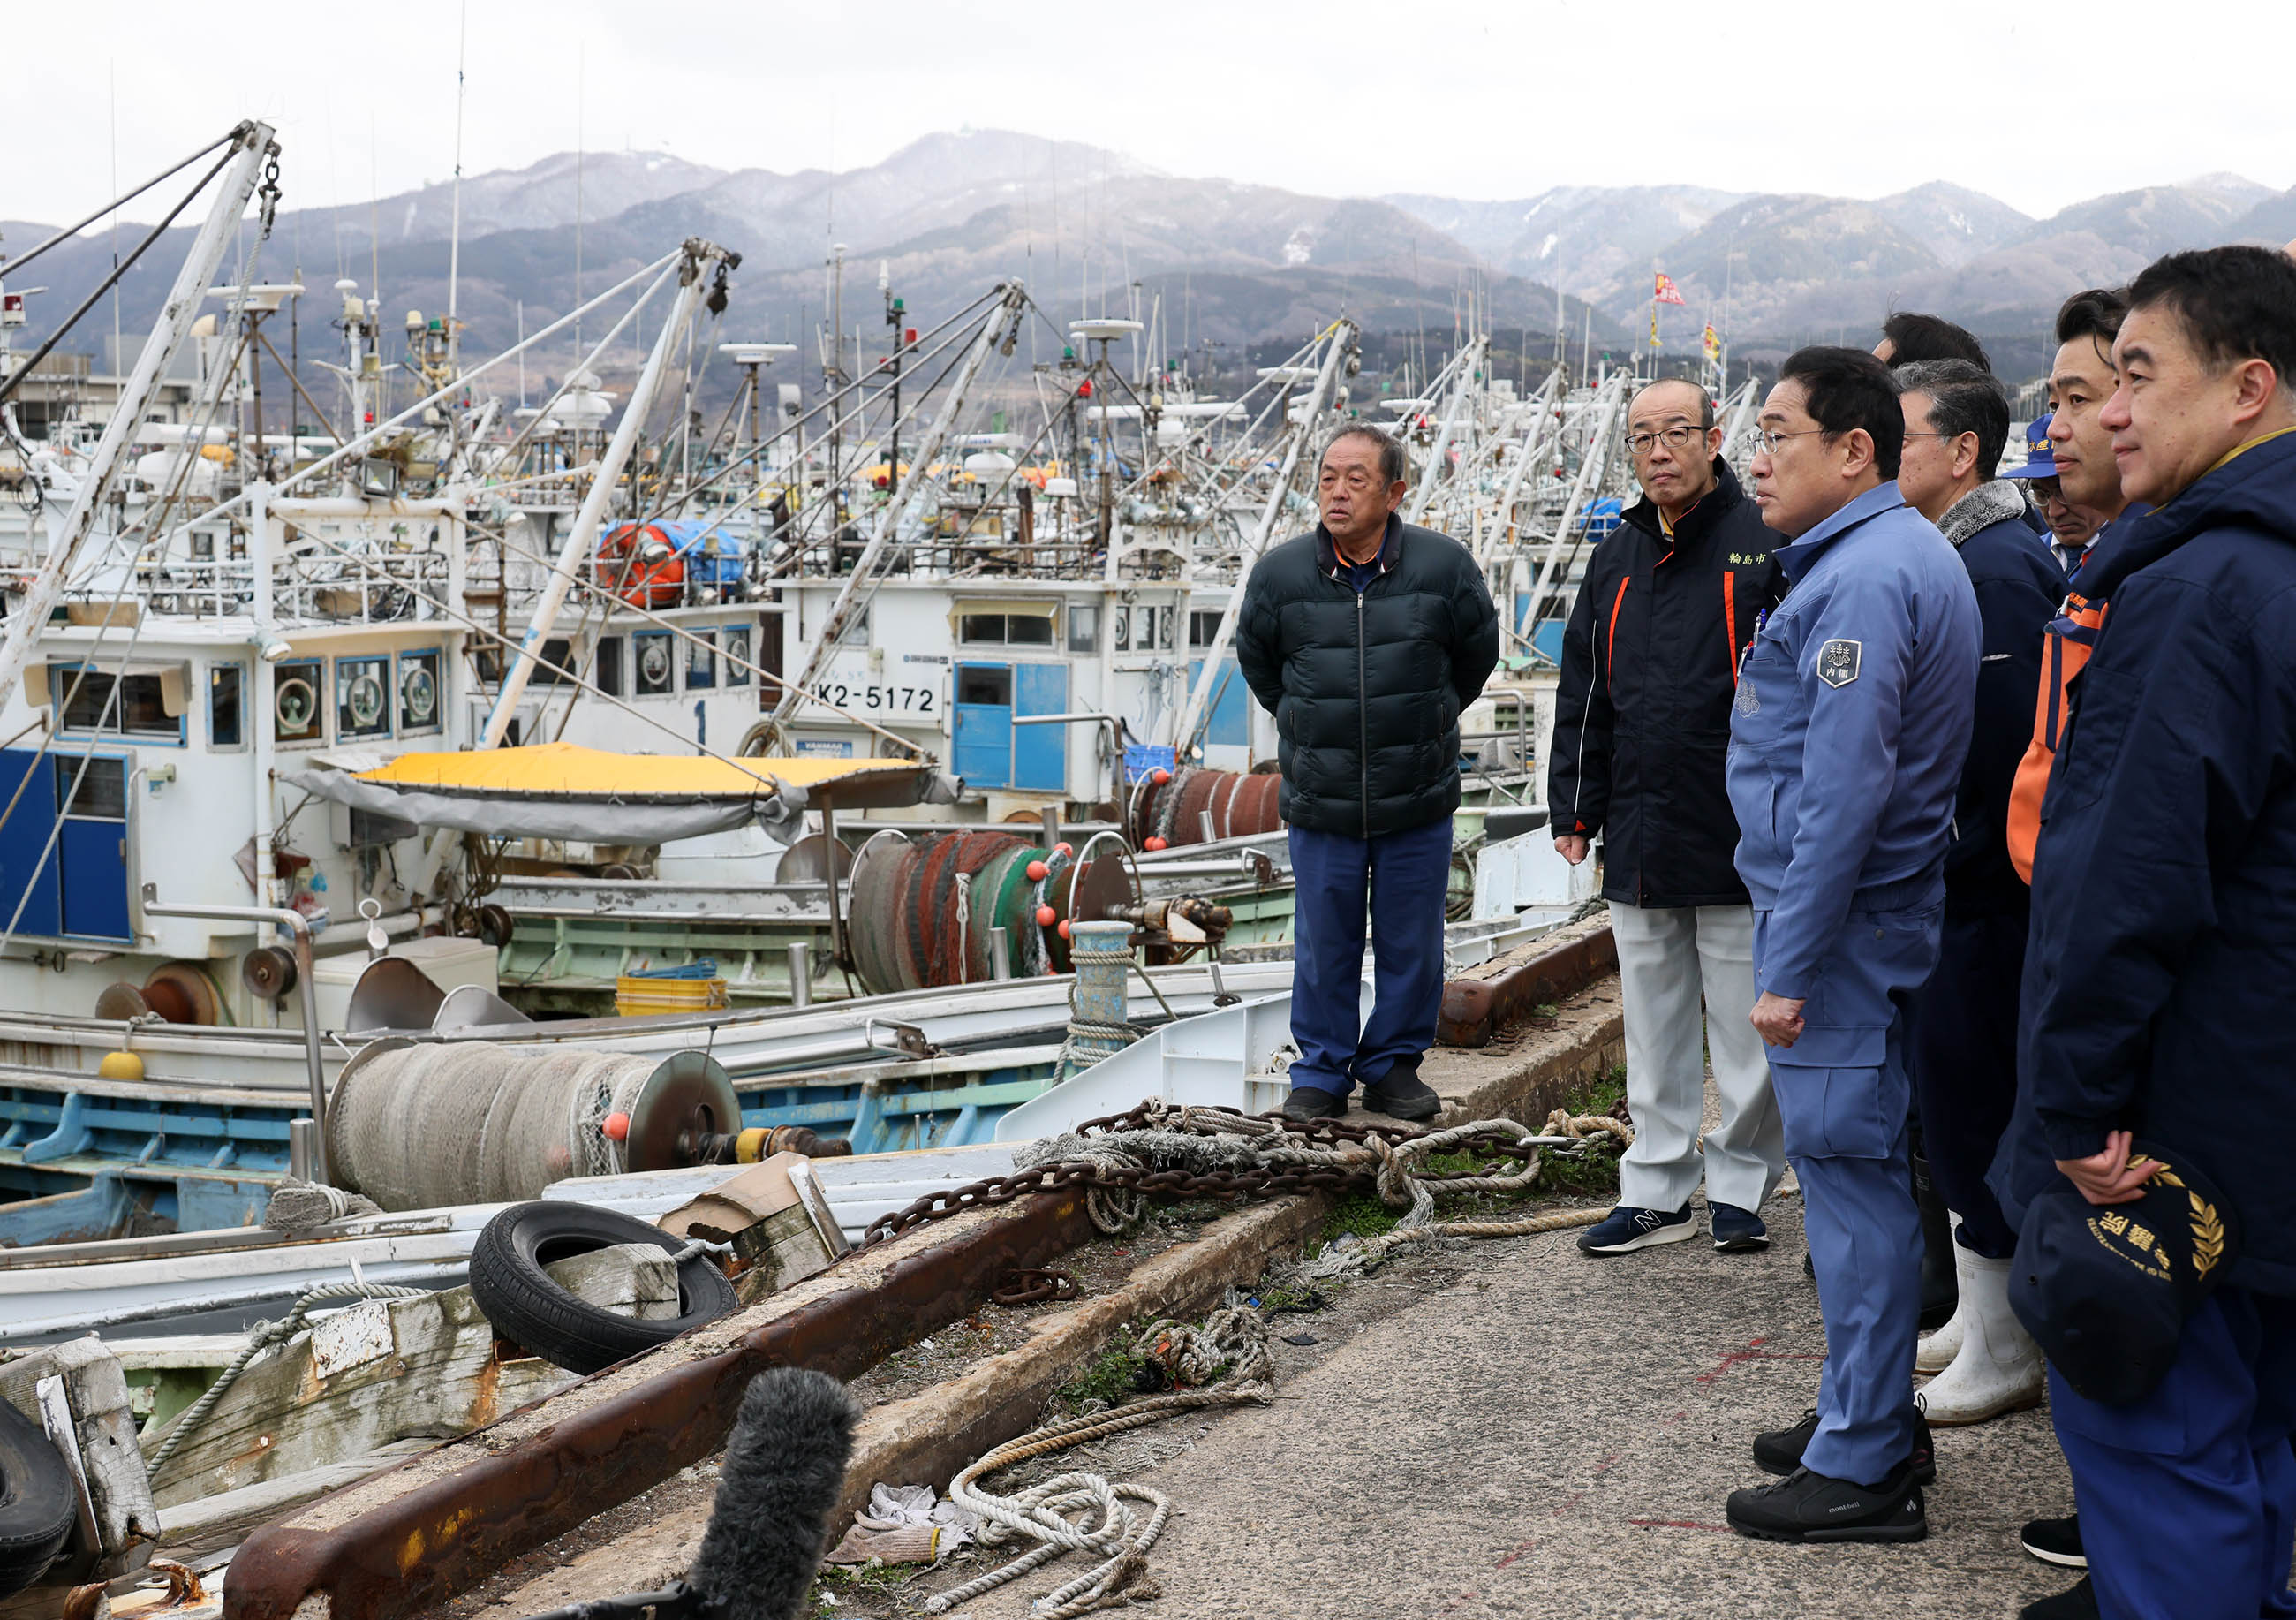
(1232, 1346)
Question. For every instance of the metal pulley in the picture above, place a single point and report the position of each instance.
(268, 971)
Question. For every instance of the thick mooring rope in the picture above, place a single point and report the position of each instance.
(1082, 1512)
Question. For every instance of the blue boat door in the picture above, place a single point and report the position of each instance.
(989, 750)
(72, 882)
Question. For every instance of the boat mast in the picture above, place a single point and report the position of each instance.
(254, 148)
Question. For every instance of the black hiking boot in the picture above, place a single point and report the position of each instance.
(1401, 1094)
(1779, 1450)
(1807, 1507)
(1305, 1103)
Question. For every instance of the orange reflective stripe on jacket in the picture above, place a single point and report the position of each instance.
(2065, 647)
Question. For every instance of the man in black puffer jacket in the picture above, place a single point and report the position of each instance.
(1366, 638)
(1642, 725)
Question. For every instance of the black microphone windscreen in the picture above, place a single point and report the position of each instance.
(784, 1467)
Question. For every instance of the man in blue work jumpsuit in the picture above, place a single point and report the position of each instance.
(1852, 716)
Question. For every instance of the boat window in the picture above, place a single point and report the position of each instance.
(1084, 629)
(553, 666)
(1005, 629)
(99, 792)
(1203, 628)
(606, 672)
(418, 691)
(657, 670)
(738, 656)
(297, 713)
(89, 699)
(362, 697)
(984, 683)
(701, 661)
(227, 705)
(1121, 626)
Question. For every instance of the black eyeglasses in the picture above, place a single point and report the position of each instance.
(1677, 439)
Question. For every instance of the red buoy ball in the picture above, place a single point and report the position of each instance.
(1153, 843)
(1063, 849)
(618, 1127)
(1036, 870)
(1159, 777)
(1046, 916)
(1064, 928)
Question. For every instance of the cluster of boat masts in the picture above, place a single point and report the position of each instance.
(461, 720)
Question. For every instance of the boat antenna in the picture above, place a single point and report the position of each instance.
(455, 235)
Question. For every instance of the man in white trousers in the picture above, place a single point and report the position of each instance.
(1671, 602)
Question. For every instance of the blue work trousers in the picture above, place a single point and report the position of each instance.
(2187, 1497)
(1964, 1053)
(1843, 1094)
(1402, 880)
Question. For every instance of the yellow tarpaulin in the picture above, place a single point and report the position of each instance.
(558, 790)
(566, 768)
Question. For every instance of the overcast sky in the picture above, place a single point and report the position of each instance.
(2039, 106)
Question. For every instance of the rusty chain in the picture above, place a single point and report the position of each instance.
(1036, 1286)
(1267, 1183)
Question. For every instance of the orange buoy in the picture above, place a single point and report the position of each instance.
(1063, 849)
(1159, 777)
(1036, 870)
(1064, 928)
(1046, 916)
(618, 1127)
(1153, 843)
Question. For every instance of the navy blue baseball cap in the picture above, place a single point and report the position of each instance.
(2040, 457)
(2105, 1289)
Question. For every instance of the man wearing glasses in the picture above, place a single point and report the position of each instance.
(1642, 722)
(1847, 737)
(1366, 638)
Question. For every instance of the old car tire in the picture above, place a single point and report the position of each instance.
(36, 1501)
(527, 1306)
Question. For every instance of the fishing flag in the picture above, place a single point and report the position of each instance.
(1713, 344)
(1667, 293)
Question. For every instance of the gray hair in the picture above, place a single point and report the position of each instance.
(1392, 467)
(1963, 398)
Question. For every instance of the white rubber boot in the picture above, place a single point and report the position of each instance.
(1939, 1345)
(1999, 1368)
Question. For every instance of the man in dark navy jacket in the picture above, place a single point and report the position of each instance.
(1965, 1025)
(2164, 932)
(1642, 724)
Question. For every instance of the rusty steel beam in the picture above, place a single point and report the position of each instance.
(1474, 1008)
(444, 1537)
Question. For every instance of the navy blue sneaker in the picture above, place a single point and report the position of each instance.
(1737, 1232)
(1627, 1229)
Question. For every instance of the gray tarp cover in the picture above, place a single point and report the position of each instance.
(559, 816)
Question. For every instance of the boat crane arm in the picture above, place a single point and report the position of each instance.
(1462, 385)
(995, 333)
(695, 275)
(253, 148)
(1343, 333)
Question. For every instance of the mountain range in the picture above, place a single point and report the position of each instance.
(1235, 264)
